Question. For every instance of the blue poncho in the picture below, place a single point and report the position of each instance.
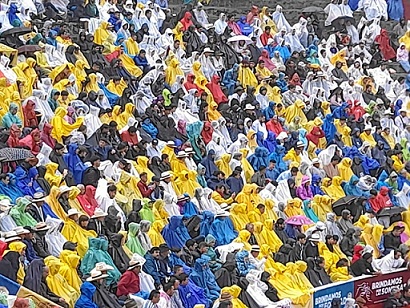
(351, 188)
(246, 29)
(209, 163)
(74, 163)
(315, 186)
(270, 142)
(207, 219)
(149, 128)
(12, 16)
(193, 132)
(189, 208)
(269, 112)
(223, 231)
(26, 181)
(395, 9)
(192, 295)
(259, 158)
(175, 233)
(329, 128)
(204, 278)
(87, 290)
(230, 78)
(11, 190)
(277, 156)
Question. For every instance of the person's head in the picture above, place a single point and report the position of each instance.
(163, 250)
(184, 279)
(203, 247)
(368, 257)
(250, 227)
(294, 171)
(144, 177)
(397, 230)
(169, 289)
(154, 251)
(4, 178)
(45, 272)
(272, 164)
(178, 270)
(342, 263)
(83, 221)
(335, 160)
(261, 208)
(112, 191)
(191, 245)
(395, 292)
(397, 254)
(154, 296)
(406, 291)
(255, 251)
(320, 261)
(227, 304)
(95, 161)
(301, 238)
(262, 169)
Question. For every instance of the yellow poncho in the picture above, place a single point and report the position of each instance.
(154, 234)
(339, 274)
(257, 216)
(239, 216)
(369, 238)
(346, 139)
(397, 163)
(57, 283)
(335, 190)
(369, 138)
(178, 32)
(67, 68)
(103, 37)
(294, 207)
(340, 56)
(287, 288)
(266, 253)
(19, 247)
(186, 183)
(92, 85)
(267, 21)
(296, 110)
(361, 223)
(178, 165)
(405, 39)
(117, 88)
(262, 72)
(223, 164)
(246, 166)
(243, 237)
(235, 291)
(245, 197)
(61, 128)
(389, 138)
(269, 237)
(172, 71)
(321, 205)
(130, 65)
(74, 233)
(246, 77)
(160, 214)
(122, 120)
(127, 186)
(213, 113)
(292, 156)
(345, 169)
(132, 47)
(69, 263)
(50, 176)
(79, 73)
(142, 166)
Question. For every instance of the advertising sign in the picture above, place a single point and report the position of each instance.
(323, 296)
(375, 290)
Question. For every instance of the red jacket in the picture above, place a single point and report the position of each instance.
(145, 191)
(381, 201)
(129, 284)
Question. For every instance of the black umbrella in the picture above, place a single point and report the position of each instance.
(312, 9)
(13, 154)
(16, 31)
(28, 48)
(347, 202)
(389, 215)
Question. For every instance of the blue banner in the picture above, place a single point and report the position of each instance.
(323, 296)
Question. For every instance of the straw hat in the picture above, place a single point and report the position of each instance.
(38, 196)
(41, 226)
(72, 212)
(99, 213)
(64, 189)
(20, 230)
(11, 236)
(165, 175)
(96, 275)
(102, 267)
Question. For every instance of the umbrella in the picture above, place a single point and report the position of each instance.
(28, 48)
(298, 220)
(344, 203)
(13, 154)
(238, 38)
(390, 211)
(16, 31)
(343, 20)
(312, 9)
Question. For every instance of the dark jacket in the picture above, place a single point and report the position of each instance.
(91, 176)
(347, 243)
(391, 241)
(297, 253)
(152, 267)
(362, 267)
(311, 250)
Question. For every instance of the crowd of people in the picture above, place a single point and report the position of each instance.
(161, 159)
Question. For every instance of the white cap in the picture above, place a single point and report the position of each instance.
(99, 213)
(72, 212)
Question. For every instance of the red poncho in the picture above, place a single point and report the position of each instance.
(266, 59)
(186, 21)
(129, 284)
(46, 136)
(32, 141)
(207, 131)
(315, 134)
(384, 43)
(30, 118)
(215, 88)
(381, 201)
(15, 133)
(274, 126)
(131, 140)
(87, 201)
(357, 110)
(189, 84)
